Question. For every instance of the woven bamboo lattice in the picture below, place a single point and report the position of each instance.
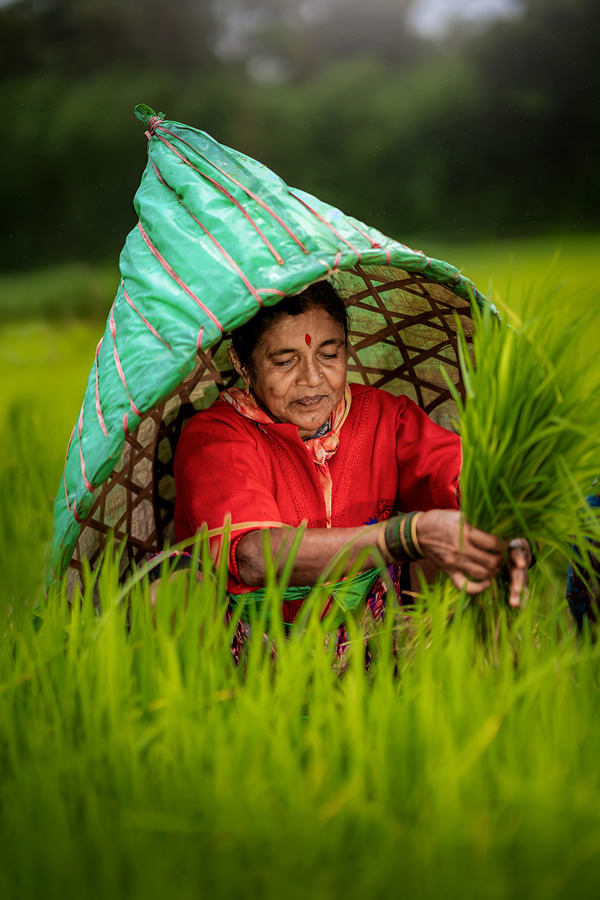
(402, 331)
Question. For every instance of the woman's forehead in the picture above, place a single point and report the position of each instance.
(309, 328)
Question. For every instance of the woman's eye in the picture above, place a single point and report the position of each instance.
(329, 355)
(284, 362)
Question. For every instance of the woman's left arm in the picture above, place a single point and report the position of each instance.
(317, 548)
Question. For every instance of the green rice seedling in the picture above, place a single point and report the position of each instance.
(137, 760)
(135, 755)
(530, 445)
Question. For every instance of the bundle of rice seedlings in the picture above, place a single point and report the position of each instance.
(529, 425)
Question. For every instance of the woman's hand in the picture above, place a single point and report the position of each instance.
(519, 561)
(470, 557)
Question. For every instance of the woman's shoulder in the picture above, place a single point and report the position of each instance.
(215, 423)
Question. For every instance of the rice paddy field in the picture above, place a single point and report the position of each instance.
(137, 761)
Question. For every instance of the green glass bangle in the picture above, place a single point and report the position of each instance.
(410, 535)
(406, 537)
(393, 539)
(401, 537)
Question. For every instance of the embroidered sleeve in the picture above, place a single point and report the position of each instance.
(429, 461)
(219, 473)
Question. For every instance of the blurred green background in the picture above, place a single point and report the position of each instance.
(466, 128)
(425, 118)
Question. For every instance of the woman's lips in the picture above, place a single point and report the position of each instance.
(309, 402)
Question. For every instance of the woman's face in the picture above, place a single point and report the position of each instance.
(300, 369)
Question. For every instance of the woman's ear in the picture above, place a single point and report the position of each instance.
(237, 365)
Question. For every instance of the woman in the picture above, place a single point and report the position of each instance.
(301, 445)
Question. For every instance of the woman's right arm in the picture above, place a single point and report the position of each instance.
(470, 557)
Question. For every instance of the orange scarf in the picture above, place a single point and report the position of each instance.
(320, 448)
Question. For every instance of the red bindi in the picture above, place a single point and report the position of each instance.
(308, 339)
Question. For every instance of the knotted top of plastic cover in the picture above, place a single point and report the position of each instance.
(219, 235)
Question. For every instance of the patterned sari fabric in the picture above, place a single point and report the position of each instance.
(373, 604)
(370, 620)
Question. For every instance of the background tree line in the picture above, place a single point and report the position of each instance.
(485, 133)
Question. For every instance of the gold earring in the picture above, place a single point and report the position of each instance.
(233, 358)
(247, 391)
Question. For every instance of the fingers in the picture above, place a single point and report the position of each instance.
(474, 577)
(478, 563)
(471, 557)
(520, 553)
(482, 540)
(519, 559)
(451, 543)
(518, 586)
(476, 587)
(477, 571)
(461, 581)
(474, 582)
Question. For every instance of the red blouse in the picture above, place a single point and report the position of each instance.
(391, 456)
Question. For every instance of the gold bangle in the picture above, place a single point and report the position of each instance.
(413, 534)
(405, 546)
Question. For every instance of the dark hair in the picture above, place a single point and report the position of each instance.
(321, 294)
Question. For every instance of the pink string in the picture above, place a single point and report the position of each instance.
(227, 194)
(170, 271)
(86, 481)
(113, 331)
(152, 123)
(98, 407)
(221, 249)
(76, 516)
(274, 291)
(374, 244)
(70, 440)
(66, 458)
(66, 494)
(250, 193)
(331, 228)
(143, 318)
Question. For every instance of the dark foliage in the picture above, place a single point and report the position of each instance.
(494, 133)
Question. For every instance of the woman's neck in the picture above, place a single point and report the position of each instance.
(320, 432)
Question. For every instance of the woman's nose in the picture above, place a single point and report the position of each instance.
(310, 373)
